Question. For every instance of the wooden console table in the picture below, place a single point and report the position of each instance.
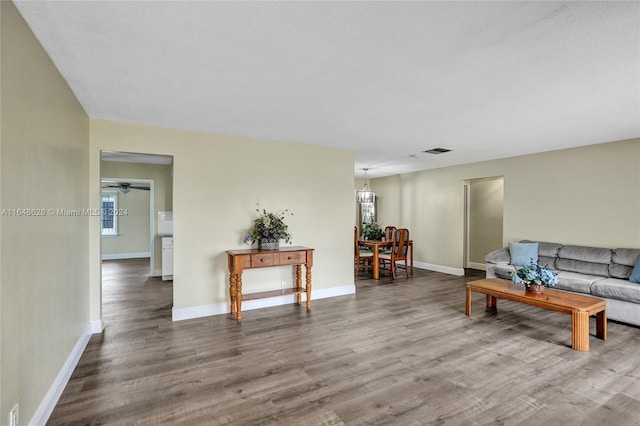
(240, 260)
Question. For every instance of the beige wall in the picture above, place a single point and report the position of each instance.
(163, 198)
(585, 196)
(44, 145)
(486, 206)
(217, 181)
(133, 226)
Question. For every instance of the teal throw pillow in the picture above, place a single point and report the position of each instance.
(523, 254)
(635, 274)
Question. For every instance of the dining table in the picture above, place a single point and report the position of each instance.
(376, 245)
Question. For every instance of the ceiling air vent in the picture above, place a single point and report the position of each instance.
(437, 151)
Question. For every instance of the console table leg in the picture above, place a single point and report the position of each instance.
(239, 298)
(580, 331)
(308, 280)
(232, 292)
(299, 284)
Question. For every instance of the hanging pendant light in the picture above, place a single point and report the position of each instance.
(365, 195)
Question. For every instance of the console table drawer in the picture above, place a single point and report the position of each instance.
(293, 258)
(262, 259)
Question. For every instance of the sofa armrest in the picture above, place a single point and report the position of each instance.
(500, 256)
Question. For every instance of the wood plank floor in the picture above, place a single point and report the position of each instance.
(395, 353)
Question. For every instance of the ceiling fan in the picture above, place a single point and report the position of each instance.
(125, 187)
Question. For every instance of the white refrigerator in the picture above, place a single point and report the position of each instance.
(165, 231)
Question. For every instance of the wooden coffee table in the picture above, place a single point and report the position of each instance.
(579, 306)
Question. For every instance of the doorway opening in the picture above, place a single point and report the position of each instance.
(483, 219)
(127, 219)
(135, 189)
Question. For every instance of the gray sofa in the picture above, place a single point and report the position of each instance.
(601, 272)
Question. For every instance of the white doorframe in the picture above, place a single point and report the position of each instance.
(466, 188)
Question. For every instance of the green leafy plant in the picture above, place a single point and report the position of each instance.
(269, 226)
(372, 231)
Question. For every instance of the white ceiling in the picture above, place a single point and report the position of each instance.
(384, 79)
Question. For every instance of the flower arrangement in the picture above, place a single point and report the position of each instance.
(269, 226)
(372, 231)
(535, 274)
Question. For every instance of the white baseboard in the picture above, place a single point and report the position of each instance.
(157, 273)
(50, 400)
(179, 314)
(439, 268)
(478, 266)
(97, 327)
(116, 256)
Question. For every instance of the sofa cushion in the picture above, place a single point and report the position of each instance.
(504, 271)
(546, 249)
(498, 256)
(612, 288)
(577, 282)
(549, 249)
(622, 262)
(625, 256)
(547, 252)
(549, 262)
(589, 268)
(523, 253)
(586, 254)
(620, 271)
(585, 260)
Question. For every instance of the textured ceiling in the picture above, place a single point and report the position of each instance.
(384, 79)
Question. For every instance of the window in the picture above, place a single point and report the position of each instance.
(108, 217)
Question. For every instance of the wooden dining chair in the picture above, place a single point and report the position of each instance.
(399, 250)
(362, 259)
(389, 231)
(388, 235)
